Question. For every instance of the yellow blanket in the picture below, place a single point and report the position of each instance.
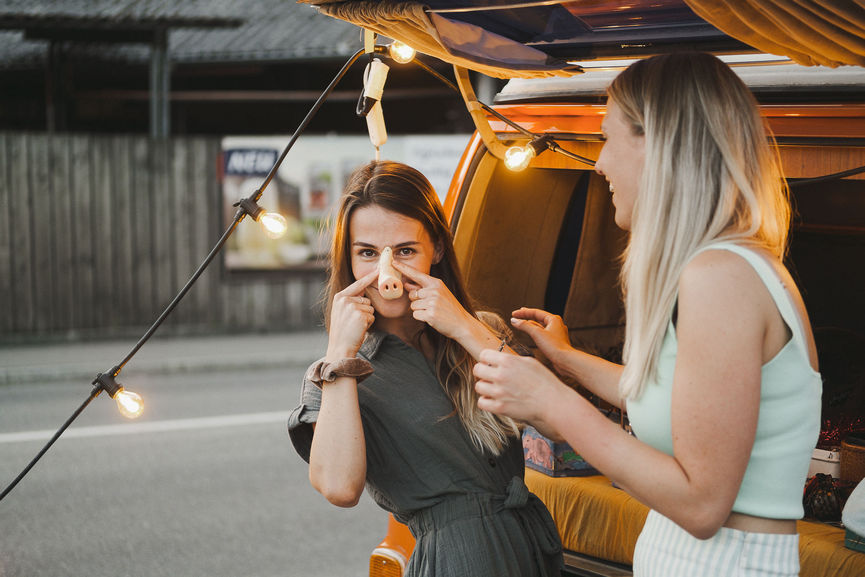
(594, 518)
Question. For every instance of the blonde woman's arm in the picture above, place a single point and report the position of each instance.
(724, 316)
(550, 334)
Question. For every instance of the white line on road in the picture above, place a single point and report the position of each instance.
(149, 427)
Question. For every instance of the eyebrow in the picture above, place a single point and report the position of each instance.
(400, 245)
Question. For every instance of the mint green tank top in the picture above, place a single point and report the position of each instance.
(789, 418)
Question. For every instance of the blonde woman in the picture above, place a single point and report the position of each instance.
(392, 404)
(720, 373)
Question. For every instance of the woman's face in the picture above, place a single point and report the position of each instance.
(621, 162)
(371, 229)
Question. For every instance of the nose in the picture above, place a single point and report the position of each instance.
(389, 279)
(599, 163)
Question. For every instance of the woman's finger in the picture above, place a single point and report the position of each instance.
(493, 358)
(413, 274)
(357, 287)
(539, 316)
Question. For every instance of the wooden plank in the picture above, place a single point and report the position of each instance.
(6, 276)
(63, 223)
(5, 243)
(180, 205)
(42, 265)
(206, 226)
(102, 231)
(142, 235)
(276, 305)
(164, 223)
(121, 224)
(82, 216)
(258, 317)
(295, 305)
(233, 306)
(20, 234)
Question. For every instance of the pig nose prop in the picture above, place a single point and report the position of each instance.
(389, 279)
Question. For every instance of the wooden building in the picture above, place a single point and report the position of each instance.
(111, 117)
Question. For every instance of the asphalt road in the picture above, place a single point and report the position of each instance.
(205, 483)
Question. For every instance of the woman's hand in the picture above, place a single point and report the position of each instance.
(519, 387)
(547, 330)
(433, 303)
(351, 315)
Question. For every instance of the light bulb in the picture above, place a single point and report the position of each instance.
(274, 224)
(129, 404)
(402, 53)
(518, 157)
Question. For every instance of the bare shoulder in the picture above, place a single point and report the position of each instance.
(715, 277)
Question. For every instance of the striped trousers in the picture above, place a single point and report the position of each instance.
(666, 550)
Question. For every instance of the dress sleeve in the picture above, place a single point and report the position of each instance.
(304, 415)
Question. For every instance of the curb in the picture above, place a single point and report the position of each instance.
(30, 375)
(83, 361)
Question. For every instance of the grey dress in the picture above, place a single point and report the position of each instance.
(469, 511)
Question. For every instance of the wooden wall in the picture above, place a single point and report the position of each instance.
(98, 233)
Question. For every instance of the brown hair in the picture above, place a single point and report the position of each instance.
(399, 188)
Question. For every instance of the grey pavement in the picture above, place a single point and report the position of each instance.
(33, 363)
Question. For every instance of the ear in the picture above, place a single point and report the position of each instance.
(439, 253)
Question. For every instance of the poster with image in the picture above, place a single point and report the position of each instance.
(307, 187)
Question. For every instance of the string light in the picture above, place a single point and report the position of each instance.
(274, 224)
(401, 52)
(129, 404)
(517, 158)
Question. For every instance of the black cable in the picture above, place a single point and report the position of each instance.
(490, 110)
(93, 394)
(241, 213)
(794, 182)
(352, 59)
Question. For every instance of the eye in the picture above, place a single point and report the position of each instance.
(366, 253)
(406, 251)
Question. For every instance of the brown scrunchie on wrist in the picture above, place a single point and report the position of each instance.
(324, 372)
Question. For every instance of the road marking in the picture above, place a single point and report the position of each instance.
(133, 428)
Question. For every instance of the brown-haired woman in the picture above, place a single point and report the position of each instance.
(411, 431)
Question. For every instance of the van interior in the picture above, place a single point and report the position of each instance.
(550, 232)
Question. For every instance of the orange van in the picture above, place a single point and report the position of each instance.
(544, 236)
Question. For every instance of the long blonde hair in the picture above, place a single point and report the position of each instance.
(710, 174)
(401, 189)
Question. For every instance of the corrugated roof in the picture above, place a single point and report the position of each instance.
(126, 13)
(269, 30)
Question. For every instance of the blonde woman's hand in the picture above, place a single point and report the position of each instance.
(519, 387)
(351, 315)
(433, 303)
(547, 330)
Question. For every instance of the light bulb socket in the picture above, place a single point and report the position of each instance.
(540, 143)
(250, 206)
(106, 382)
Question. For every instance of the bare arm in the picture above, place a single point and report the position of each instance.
(550, 334)
(723, 315)
(337, 459)
(434, 304)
